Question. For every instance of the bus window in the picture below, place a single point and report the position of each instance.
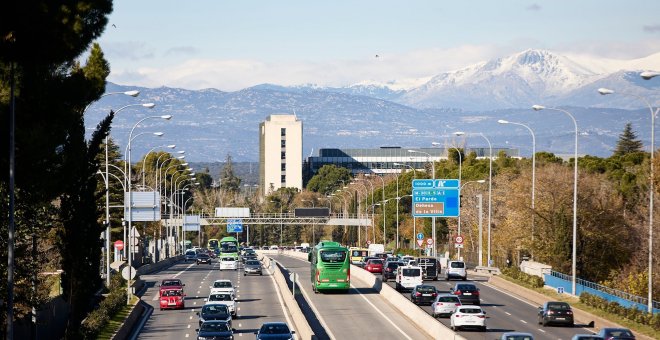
(333, 256)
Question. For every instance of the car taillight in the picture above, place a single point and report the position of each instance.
(318, 274)
(458, 292)
(418, 294)
(569, 312)
(348, 274)
(475, 292)
(550, 312)
(481, 316)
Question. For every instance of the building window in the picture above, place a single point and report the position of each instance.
(283, 166)
(283, 154)
(283, 143)
(283, 132)
(283, 180)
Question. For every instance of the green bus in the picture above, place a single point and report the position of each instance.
(229, 247)
(330, 267)
(212, 244)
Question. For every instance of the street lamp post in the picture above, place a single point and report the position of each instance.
(458, 231)
(144, 161)
(373, 228)
(604, 91)
(502, 121)
(575, 179)
(383, 206)
(130, 200)
(490, 185)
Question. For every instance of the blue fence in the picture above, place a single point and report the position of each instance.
(556, 280)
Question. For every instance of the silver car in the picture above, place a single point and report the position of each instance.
(444, 305)
(252, 267)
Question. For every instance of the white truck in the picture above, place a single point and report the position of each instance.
(376, 248)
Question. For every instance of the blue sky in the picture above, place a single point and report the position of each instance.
(231, 45)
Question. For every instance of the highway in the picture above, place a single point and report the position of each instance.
(505, 313)
(257, 301)
(360, 314)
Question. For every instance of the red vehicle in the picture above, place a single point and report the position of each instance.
(374, 266)
(172, 298)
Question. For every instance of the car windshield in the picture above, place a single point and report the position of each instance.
(215, 309)
(202, 255)
(559, 306)
(457, 265)
(449, 299)
(253, 263)
(222, 284)
(215, 327)
(411, 272)
(333, 256)
(220, 297)
(274, 329)
(171, 283)
(470, 310)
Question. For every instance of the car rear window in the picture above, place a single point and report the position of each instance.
(220, 297)
(457, 265)
(215, 309)
(376, 261)
(559, 305)
(449, 299)
(227, 259)
(466, 287)
(470, 310)
(394, 264)
(426, 289)
(222, 284)
(333, 255)
(253, 263)
(411, 272)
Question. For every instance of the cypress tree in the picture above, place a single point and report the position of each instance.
(628, 142)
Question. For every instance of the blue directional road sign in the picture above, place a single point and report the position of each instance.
(234, 225)
(420, 236)
(435, 197)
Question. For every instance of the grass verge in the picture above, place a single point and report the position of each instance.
(116, 321)
(575, 302)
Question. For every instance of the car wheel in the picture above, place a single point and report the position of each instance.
(244, 274)
(464, 278)
(483, 329)
(540, 321)
(261, 274)
(384, 279)
(544, 323)
(446, 278)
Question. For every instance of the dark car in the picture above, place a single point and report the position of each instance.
(586, 337)
(616, 334)
(203, 258)
(467, 293)
(214, 311)
(215, 329)
(275, 331)
(554, 312)
(389, 270)
(191, 255)
(252, 267)
(423, 294)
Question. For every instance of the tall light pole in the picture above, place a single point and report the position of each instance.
(575, 179)
(144, 161)
(604, 91)
(130, 201)
(372, 205)
(435, 240)
(502, 121)
(398, 199)
(459, 220)
(490, 184)
(383, 206)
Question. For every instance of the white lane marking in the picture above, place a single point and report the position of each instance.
(187, 335)
(240, 325)
(181, 272)
(194, 303)
(155, 298)
(507, 313)
(382, 314)
(200, 287)
(543, 331)
(188, 326)
(191, 317)
(523, 321)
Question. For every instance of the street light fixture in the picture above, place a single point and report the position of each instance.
(575, 179)
(435, 239)
(604, 91)
(649, 74)
(502, 121)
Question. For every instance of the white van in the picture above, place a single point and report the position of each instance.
(228, 263)
(408, 277)
(455, 269)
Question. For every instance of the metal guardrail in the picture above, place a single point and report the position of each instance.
(607, 290)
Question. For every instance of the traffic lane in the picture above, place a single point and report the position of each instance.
(505, 313)
(174, 324)
(177, 324)
(359, 314)
(258, 302)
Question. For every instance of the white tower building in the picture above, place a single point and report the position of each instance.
(280, 153)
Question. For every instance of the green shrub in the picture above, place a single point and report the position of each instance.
(630, 313)
(530, 280)
(111, 305)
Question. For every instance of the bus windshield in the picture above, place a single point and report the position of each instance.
(213, 243)
(333, 256)
(228, 247)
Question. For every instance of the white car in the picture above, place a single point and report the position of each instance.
(223, 286)
(408, 277)
(468, 317)
(228, 263)
(225, 299)
(444, 304)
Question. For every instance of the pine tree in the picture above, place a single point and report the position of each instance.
(628, 142)
(229, 181)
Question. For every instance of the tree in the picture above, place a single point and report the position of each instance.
(628, 142)
(229, 181)
(328, 179)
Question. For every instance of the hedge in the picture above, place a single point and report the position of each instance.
(629, 313)
(531, 280)
(111, 305)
